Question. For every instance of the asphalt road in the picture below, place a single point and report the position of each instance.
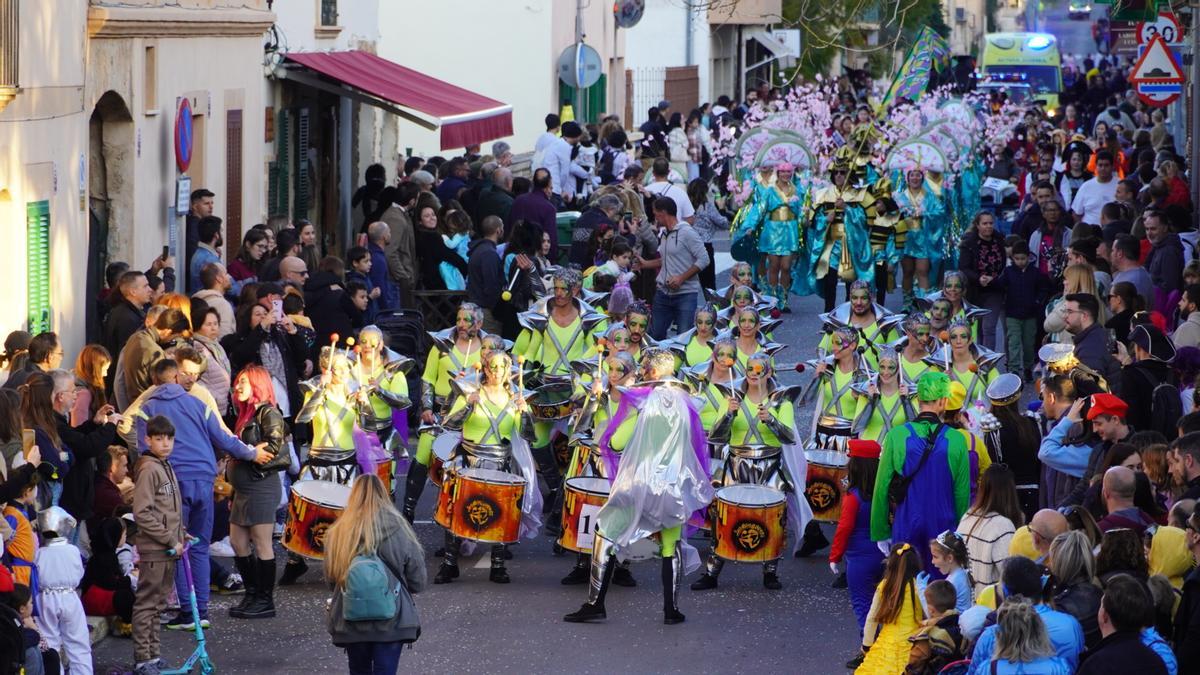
(474, 626)
(1074, 36)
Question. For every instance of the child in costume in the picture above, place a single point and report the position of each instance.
(60, 616)
(895, 615)
(948, 551)
(852, 541)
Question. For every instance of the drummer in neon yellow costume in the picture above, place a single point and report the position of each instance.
(455, 353)
(381, 375)
(493, 418)
(743, 297)
(637, 318)
(874, 323)
(759, 424)
(331, 407)
(970, 365)
(952, 304)
(885, 402)
(836, 374)
(560, 329)
(918, 342)
(694, 346)
(589, 423)
(750, 338)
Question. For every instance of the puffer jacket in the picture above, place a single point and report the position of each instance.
(157, 509)
(401, 552)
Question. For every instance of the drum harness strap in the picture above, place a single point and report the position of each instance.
(330, 423)
(752, 428)
(493, 422)
(889, 415)
(836, 399)
(562, 359)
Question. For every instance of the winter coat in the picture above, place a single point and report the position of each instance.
(1081, 600)
(401, 553)
(86, 442)
(198, 432)
(1091, 348)
(977, 258)
(138, 359)
(485, 278)
(244, 350)
(1138, 381)
(123, 320)
(323, 293)
(1165, 263)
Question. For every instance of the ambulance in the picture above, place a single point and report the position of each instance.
(1030, 59)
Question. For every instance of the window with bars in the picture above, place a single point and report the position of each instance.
(37, 255)
(329, 13)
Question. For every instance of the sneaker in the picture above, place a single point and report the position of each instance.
(183, 621)
(232, 584)
(147, 668)
(221, 549)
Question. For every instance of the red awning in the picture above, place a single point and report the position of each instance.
(465, 117)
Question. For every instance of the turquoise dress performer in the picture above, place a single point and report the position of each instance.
(746, 231)
(837, 239)
(924, 212)
(778, 224)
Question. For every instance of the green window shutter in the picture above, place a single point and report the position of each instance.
(278, 177)
(589, 103)
(37, 255)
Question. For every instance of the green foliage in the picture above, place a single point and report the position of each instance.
(829, 26)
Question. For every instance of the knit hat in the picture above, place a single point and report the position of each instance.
(933, 386)
(956, 397)
(865, 449)
(1107, 404)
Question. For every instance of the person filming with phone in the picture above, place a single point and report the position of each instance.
(267, 337)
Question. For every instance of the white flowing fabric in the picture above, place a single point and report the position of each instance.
(660, 481)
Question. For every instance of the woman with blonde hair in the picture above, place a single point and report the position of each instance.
(1078, 278)
(91, 367)
(1074, 589)
(1022, 643)
(371, 526)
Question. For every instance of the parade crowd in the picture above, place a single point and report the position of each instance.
(1008, 465)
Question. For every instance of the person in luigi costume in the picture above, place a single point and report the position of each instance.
(930, 465)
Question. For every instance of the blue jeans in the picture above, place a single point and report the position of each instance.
(374, 658)
(678, 309)
(197, 499)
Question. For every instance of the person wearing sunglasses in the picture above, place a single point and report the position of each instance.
(874, 323)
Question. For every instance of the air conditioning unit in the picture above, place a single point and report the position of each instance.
(960, 15)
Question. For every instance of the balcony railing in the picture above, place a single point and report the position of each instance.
(10, 48)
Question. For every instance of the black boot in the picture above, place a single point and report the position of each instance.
(839, 581)
(579, 573)
(603, 565)
(246, 567)
(623, 577)
(293, 570)
(498, 574)
(672, 571)
(414, 485)
(771, 577)
(262, 606)
(449, 570)
(814, 540)
(712, 570)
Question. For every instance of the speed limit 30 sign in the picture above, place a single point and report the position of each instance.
(1166, 26)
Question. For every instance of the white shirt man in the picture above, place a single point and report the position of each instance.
(1095, 192)
(663, 187)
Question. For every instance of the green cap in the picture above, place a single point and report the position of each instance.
(933, 386)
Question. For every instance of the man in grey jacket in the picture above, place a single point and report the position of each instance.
(401, 251)
(1187, 334)
(681, 257)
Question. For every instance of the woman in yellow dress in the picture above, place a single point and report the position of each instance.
(895, 615)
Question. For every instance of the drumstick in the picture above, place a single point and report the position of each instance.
(600, 345)
(507, 294)
(333, 340)
(521, 375)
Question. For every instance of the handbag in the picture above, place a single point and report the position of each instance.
(898, 488)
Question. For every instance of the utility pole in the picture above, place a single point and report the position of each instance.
(1193, 102)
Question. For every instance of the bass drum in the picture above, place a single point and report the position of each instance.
(313, 507)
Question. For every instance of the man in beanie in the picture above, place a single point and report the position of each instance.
(563, 171)
(1147, 382)
(931, 469)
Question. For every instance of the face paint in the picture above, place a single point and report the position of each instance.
(726, 356)
(620, 341)
(756, 368)
(960, 335)
(745, 275)
(636, 325)
(742, 297)
(887, 367)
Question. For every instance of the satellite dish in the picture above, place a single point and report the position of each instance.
(628, 12)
